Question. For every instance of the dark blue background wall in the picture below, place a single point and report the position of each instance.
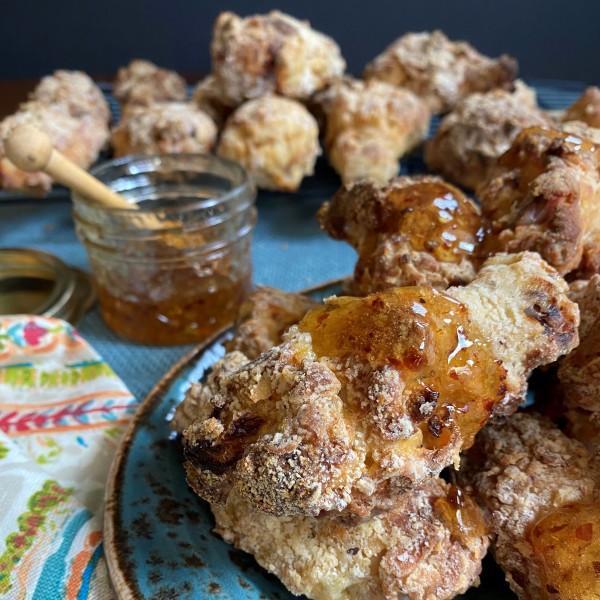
(551, 39)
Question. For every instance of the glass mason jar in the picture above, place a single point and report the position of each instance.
(175, 270)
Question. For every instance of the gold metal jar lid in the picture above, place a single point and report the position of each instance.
(38, 283)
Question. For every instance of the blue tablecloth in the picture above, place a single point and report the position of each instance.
(289, 250)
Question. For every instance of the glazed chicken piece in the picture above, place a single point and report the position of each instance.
(71, 110)
(412, 231)
(273, 53)
(543, 195)
(440, 71)
(367, 397)
(586, 108)
(275, 139)
(164, 127)
(263, 318)
(369, 127)
(429, 546)
(142, 83)
(481, 128)
(534, 483)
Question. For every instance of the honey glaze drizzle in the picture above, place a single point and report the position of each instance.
(566, 546)
(450, 375)
(436, 218)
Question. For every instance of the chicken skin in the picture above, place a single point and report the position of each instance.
(369, 127)
(440, 71)
(429, 546)
(271, 54)
(543, 195)
(367, 397)
(275, 139)
(164, 127)
(412, 231)
(480, 128)
(142, 83)
(586, 108)
(71, 110)
(535, 484)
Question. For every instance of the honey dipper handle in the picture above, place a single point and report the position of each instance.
(30, 149)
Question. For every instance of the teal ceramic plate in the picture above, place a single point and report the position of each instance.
(158, 535)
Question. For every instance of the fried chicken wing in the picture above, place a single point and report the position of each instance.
(208, 97)
(369, 396)
(71, 110)
(74, 90)
(481, 127)
(439, 70)
(164, 127)
(275, 139)
(272, 53)
(264, 317)
(543, 194)
(142, 83)
(369, 127)
(579, 371)
(534, 483)
(412, 231)
(429, 546)
(586, 108)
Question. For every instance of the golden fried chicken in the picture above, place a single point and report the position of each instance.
(369, 127)
(534, 483)
(71, 110)
(367, 397)
(164, 127)
(579, 371)
(75, 90)
(586, 108)
(543, 195)
(143, 83)
(275, 139)
(412, 231)
(429, 546)
(208, 97)
(439, 70)
(272, 53)
(264, 317)
(481, 127)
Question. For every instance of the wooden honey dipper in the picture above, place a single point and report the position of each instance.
(30, 149)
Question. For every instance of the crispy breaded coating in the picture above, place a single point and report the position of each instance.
(369, 396)
(275, 139)
(579, 371)
(523, 470)
(369, 127)
(75, 90)
(164, 127)
(543, 195)
(208, 97)
(481, 127)
(412, 231)
(143, 83)
(71, 110)
(429, 546)
(264, 317)
(439, 70)
(272, 53)
(586, 108)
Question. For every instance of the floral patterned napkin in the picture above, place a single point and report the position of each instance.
(62, 412)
